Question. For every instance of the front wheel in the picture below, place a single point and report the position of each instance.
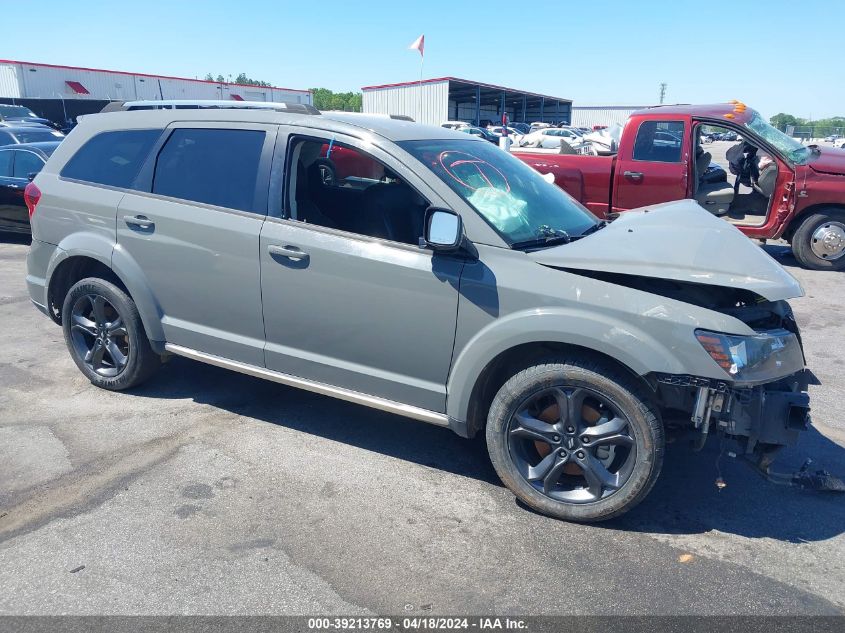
(577, 440)
(819, 241)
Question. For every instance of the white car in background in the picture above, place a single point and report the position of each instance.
(550, 138)
(513, 134)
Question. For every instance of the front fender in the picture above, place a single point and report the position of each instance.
(623, 341)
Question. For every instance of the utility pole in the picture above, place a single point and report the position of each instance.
(662, 92)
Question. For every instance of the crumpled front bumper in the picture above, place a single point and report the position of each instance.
(771, 414)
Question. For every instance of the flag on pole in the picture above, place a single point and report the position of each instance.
(418, 45)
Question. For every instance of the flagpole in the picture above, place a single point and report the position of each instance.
(419, 111)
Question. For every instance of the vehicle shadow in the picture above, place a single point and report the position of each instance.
(322, 416)
(685, 499)
(782, 253)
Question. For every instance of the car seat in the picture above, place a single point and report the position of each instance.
(765, 183)
(392, 211)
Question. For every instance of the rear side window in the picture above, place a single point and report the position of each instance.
(111, 158)
(27, 163)
(5, 164)
(212, 166)
(659, 141)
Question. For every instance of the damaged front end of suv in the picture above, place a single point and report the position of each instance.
(759, 396)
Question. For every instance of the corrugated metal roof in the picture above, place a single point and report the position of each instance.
(124, 72)
(464, 81)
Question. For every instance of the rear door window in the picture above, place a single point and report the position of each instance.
(5, 164)
(111, 158)
(27, 163)
(212, 166)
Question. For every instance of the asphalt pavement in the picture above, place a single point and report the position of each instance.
(210, 492)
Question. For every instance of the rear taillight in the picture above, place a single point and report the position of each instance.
(31, 196)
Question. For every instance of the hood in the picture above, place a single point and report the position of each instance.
(679, 241)
(831, 160)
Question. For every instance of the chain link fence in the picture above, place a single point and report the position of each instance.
(807, 132)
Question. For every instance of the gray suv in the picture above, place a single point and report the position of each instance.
(419, 271)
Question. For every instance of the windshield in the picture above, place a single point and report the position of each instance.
(13, 111)
(512, 197)
(788, 146)
(34, 136)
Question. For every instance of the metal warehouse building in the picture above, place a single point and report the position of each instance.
(434, 101)
(589, 116)
(25, 80)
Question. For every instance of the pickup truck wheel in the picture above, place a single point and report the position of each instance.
(577, 440)
(819, 241)
(105, 336)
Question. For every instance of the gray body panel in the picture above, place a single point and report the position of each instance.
(202, 265)
(507, 299)
(365, 315)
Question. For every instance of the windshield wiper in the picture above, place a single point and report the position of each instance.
(592, 229)
(541, 242)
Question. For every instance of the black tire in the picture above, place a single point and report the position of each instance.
(120, 326)
(596, 382)
(804, 239)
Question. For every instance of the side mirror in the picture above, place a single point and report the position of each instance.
(444, 230)
(31, 176)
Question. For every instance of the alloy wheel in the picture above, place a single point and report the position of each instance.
(572, 444)
(99, 335)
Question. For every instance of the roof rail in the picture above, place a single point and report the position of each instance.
(202, 104)
(397, 117)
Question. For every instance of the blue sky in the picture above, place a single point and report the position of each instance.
(594, 52)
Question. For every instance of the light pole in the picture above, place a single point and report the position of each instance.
(64, 110)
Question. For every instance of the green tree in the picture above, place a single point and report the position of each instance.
(781, 120)
(240, 79)
(325, 99)
(243, 79)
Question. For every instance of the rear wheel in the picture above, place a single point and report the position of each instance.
(819, 241)
(105, 336)
(576, 440)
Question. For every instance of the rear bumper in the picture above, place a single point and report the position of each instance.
(37, 264)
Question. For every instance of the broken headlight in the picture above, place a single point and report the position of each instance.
(758, 358)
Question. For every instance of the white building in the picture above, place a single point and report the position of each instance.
(434, 101)
(25, 80)
(590, 116)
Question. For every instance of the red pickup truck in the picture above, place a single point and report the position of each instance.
(767, 184)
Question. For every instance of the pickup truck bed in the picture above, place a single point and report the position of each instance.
(588, 179)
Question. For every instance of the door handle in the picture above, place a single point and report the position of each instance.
(12, 185)
(141, 221)
(633, 175)
(290, 252)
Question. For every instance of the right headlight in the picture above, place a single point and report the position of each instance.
(761, 357)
